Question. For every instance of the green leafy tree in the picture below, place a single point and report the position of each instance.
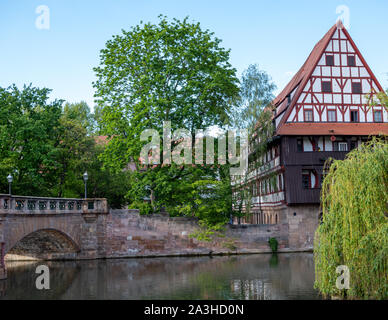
(78, 151)
(28, 139)
(170, 71)
(256, 93)
(47, 148)
(80, 112)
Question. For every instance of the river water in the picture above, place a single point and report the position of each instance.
(253, 277)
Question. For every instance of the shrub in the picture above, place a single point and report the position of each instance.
(273, 243)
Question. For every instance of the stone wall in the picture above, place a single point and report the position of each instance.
(124, 233)
(129, 234)
(302, 222)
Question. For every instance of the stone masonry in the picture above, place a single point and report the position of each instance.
(87, 229)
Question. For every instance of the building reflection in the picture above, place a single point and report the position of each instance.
(255, 289)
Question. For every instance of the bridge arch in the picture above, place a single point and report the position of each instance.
(45, 244)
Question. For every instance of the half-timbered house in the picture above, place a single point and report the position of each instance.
(327, 109)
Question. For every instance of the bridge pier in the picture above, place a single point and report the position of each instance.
(92, 230)
(88, 237)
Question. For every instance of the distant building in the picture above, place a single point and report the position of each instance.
(324, 111)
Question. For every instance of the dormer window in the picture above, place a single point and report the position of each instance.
(329, 60)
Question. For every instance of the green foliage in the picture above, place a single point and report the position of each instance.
(29, 131)
(47, 148)
(208, 231)
(170, 71)
(256, 93)
(203, 192)
(273, 243)
(230, 244)
(354, 229)
(274, 260)
(143, 207)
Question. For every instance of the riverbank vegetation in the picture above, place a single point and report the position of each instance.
(354, 228)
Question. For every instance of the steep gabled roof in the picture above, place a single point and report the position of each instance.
(297, 84)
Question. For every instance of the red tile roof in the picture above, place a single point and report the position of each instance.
(101, 139)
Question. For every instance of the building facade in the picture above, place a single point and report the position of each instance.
(327, 109)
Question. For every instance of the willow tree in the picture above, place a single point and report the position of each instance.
(354, 228)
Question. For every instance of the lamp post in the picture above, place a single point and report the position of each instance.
(86, 177)
(10, 179)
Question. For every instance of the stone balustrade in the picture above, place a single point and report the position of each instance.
(10, 204)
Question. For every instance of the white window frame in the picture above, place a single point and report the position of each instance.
(342, 146)
(331, 112)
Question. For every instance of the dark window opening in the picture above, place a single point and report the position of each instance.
(354, 116)
(356, 87)
(306, 181)
(326, 86)
(309, 179)
(330, 60)
(351, 61)
(299, 144)
(276, 151)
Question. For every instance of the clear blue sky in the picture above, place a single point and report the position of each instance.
(278, 35)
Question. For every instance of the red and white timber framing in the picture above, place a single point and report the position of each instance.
(352, 87)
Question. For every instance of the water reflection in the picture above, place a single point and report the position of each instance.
(254, 277)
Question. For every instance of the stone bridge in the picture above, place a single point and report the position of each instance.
(51, 228)
(71, 229)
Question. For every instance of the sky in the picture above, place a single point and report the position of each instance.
(59, 50)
